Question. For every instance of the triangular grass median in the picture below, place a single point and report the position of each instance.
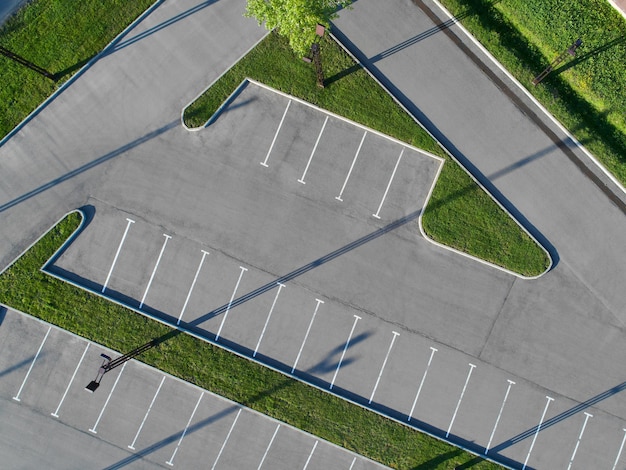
(25, 287)
(460, 214)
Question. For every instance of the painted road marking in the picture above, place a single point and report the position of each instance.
(493, 432)
(352, 464)
(93, 430)
(310, 455)
(532, 444)
(301, 180)
(280, 286)
(419, 390)
(170, 462)
(132, 445)
(264, 162)
(308, 330)
(17, 397)
(145, 294)
(580, 436)
(232, 426)
(460, 398)
(395, 335)
(193, 283)
(56, 412)
(268, 447)
(219, 331)
(345, 348)
(395, 168)
(619, 452)
(117, 253)
(356, 155)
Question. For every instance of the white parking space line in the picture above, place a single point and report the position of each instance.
(232, 297)
(132, 445)
(170, 462)
(419, 390)
(356, 155)
(269, 315)
(117, 253)
(264, 162)
(117, 379)
(301, 180)
(345, 348)
(232, 426)
(493, 432)
(268, 447)
(393, 174)
(352, 464)
(619, 452)
(193, 283)
(156, 265)
(56, 412)
(310, 455)
(472, 366)
(580, 436)
(532, 444)
(17, 397)
(395, 335)
(308, 330)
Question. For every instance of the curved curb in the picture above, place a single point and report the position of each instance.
(226, 102)
(427, 237)
(182, 329)
(54, 256)
(82, 70)
(244, 83)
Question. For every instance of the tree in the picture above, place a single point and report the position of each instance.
(295, 19)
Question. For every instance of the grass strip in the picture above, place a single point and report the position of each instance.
(586, 93)
(25, 287)
(460, 214)
(60, 36)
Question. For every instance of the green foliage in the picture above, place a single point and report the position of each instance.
(459, 214)
(295, 19)
(25, 287)
(59, 36)
(585, 93)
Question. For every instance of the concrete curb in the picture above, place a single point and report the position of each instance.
(82, 70)
(417, 121)
(76, 232)
(529, 95)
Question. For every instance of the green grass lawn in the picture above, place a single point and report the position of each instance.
(586, 93)
(25, 287)
(59, 36)
(459, 214)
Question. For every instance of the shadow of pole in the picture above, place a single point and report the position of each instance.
(89, 166)
(439, 27)
(590, 54)
(560, 417)
(197, 426)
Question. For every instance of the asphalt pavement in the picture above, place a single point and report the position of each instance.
(102, 142)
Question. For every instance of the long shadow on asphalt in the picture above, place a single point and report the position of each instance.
(88, 166)
(463, 160)
(122, 43)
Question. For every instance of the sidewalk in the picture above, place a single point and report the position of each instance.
(619, 5)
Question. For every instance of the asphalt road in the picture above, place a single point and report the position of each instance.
(112, 137)
(137, 418)
(8, 7)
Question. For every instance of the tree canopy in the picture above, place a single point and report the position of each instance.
(295, 19)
